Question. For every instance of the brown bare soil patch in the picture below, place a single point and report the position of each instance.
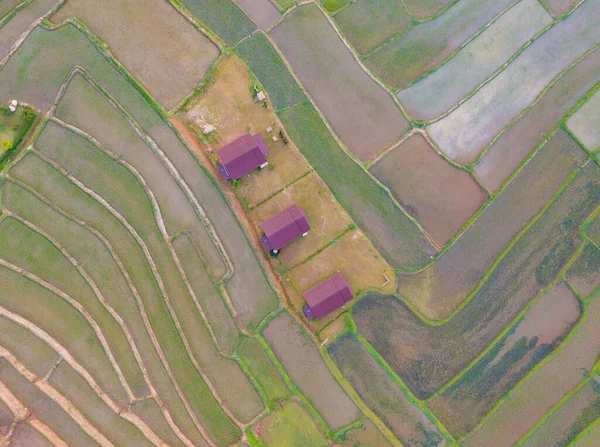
(560, 7)
(228, 105)
(27, 436)
(327, 219)
(441, 197)
(163, 50)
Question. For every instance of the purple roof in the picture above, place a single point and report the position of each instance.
(284, 227)
(242, 155)
(328, 296)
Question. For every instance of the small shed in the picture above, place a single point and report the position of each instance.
(328, 296)
(242, 155)
(284, 227)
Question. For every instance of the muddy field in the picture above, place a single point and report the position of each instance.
(465, 132)
(427, 357)
(368, 435)
(475, 62)
(165, 52)
(423, 9)
(461, 406)
(404, 59)
(438, 290)
(360, 112)
(585, 123)
(308, 370)
(520, 138)
(377, 390)
(441, 197)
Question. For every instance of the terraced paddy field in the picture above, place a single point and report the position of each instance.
(446, 153)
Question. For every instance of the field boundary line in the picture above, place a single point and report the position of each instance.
(135, 293)
(160, 223)
(202, 216)
(156, 211)
(10, 14)
(50, 391)
(96, 291)
(80, 309)
(584, 432)
(460, 47)
(494, 74)
(22, 414)
(40, 333)
(98, 198)
(574, 331)
(112, 312)
(534, 102)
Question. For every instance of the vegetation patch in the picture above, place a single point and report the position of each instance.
(584, 273)
(367, 24)
(14, 127)
(291, 426)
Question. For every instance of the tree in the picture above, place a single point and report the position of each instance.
(7, 145)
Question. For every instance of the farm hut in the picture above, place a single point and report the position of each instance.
(284, 227)
(328, 296)
(242, 155)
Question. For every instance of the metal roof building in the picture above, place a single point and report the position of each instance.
(242, 155)
(328, 296)
(284, 227)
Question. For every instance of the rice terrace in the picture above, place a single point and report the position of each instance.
(273, 223)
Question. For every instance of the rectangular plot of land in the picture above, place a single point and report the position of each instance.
(441, 197)
(27, 436)
(465, 132)
(404, 59)
(362, 113)
(440, 288)
(585, 123)
(461, 406)
(368, 23)
(379, 392)
(520, 138)
(222, 17)
(475, 62)
(303, 363)
(165, 52)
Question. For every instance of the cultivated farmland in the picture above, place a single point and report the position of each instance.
(445, 152)
(360, 112)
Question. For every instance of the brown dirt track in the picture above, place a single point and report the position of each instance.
(441, 197)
